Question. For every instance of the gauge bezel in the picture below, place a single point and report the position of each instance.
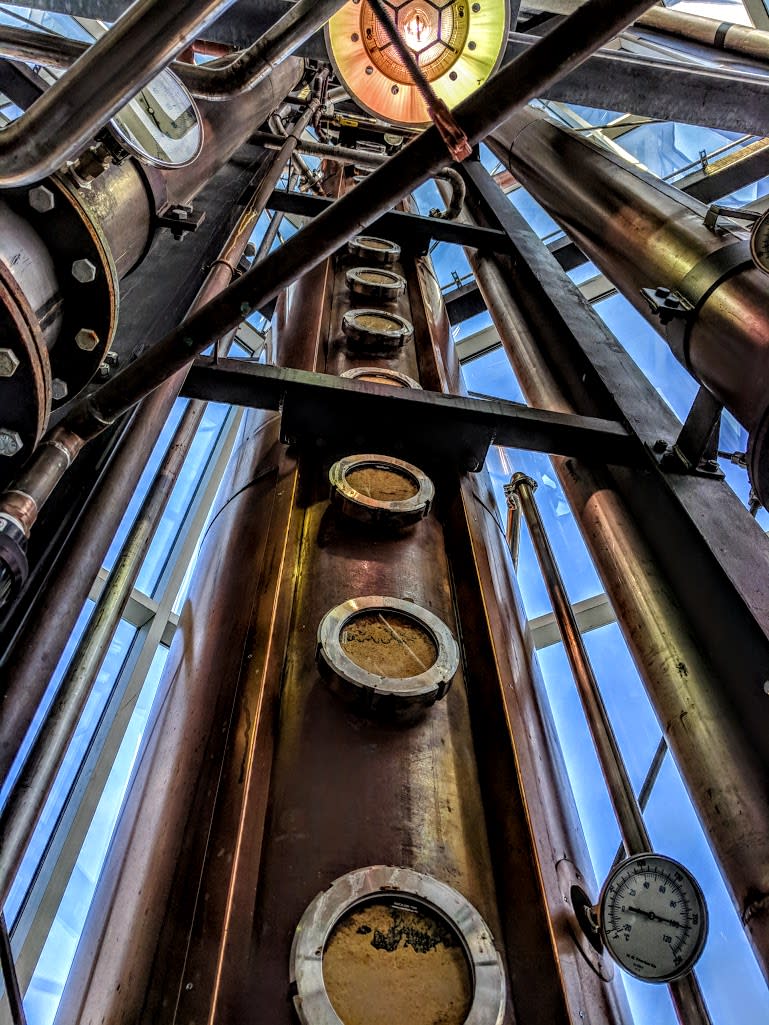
(129, 142)
(674, 866)
(388, 885)
(761, 226)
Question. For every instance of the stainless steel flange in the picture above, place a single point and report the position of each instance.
(382, 884)
(348, 490)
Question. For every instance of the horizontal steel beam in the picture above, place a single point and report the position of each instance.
(402, 227)
(613, 80)
(448, 427)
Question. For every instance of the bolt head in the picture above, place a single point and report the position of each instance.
(9, 362)
(86, 339)
(10, 442)
(41, 199)
(83, 271)
(59, 389)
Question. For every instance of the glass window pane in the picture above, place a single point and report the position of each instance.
(728, 974)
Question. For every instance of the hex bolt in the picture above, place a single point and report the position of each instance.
(83, 271)
(59, 389)
(9, 362)
(86, 339)
(41, 199)
(10, 442)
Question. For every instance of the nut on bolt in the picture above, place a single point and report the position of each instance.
(9, 362)
(59, 389)
(41, 199)
(10, 442)
(83, 271)
(86, 339)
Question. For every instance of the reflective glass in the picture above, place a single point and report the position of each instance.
(730, 979)
(46, 986)
(86, 727)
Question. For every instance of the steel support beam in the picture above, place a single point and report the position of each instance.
(615, 80)
(407, 229)
(450, 427)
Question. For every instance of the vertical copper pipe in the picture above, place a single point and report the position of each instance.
(724, 778)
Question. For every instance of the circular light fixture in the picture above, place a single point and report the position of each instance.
(381, 375)
(375, 250)
(375, 282)
(381, 490)
(375, 332)
(457, 46)
(388, 944)
(386, 655)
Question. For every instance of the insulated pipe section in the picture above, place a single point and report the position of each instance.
(247, 70)
(703, 292)
(742, 39)
(61, 123)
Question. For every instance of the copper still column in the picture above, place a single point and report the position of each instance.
(261, 785)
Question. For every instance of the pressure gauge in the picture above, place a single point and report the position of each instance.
(653, 918)
(759, 243)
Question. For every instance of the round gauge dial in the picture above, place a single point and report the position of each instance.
(653, 917)
(161, 124)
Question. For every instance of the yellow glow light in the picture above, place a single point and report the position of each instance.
(458, 46)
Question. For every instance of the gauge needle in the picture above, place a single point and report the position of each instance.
(655, 918)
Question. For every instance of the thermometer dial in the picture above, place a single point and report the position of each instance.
(759, 243)
(653, 917)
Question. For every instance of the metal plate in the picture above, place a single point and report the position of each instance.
(374, 694)
(383, 884)
(376, 250)
(382, 375)
(396, 512)
(375, 331)
(161, 125)
(376, 282)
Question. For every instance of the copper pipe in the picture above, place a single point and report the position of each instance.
(551, 58)
(244, 71)
(726, 783)
(687, 998)
(62, 122)
(645, 234)
(631, 824)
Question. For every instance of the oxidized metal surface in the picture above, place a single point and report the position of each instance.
(329, 907)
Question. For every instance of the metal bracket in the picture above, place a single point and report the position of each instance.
(667, 304)
(696, 448)
(180, 220)
(715, 211)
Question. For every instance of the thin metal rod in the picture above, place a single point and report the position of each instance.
(553, 56)
(631, 824)
(244, 71)
(275, 221)
(63, 121)
(10, 978)
(646, 787)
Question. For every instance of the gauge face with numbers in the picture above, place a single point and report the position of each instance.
(653, 917)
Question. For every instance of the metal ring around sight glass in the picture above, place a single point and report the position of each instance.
(385, 694)
(390, 377)
(376, 282)
(385, 884)
(375, 331)
(397, 512)
(377, 250)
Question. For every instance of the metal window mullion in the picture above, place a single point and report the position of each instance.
(44, 898)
